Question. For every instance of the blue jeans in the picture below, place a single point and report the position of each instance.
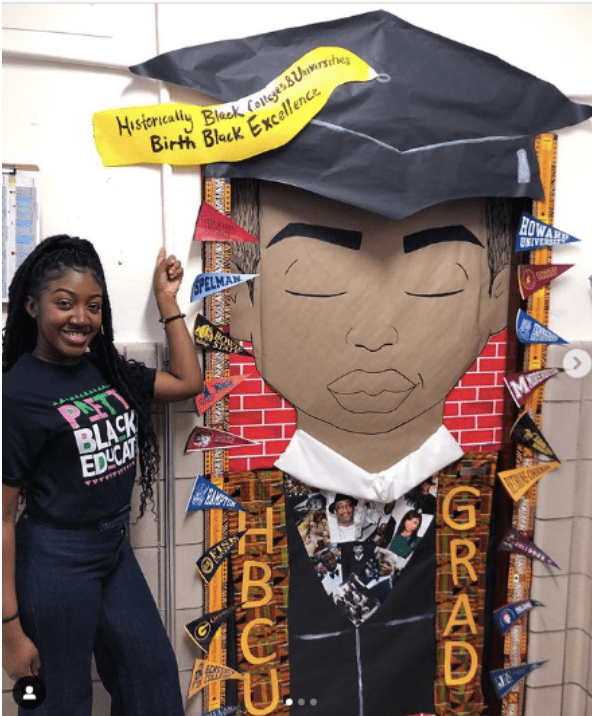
(80, 590)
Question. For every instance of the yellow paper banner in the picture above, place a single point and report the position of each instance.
(186, 134)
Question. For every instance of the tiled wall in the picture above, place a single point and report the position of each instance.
(561, 631)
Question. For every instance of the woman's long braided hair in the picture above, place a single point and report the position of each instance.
(50, 260)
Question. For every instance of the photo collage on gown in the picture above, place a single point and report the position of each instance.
(359, 547)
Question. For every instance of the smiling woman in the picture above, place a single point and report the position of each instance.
(77, 418)
(68, 315)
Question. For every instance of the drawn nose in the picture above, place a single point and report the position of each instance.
(372, 338)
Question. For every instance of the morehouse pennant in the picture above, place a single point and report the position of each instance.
(206, 284)
(209, 336)
(535, 234)
(519, 543)
(530, 331)
(504, 680)
(506, 617)
(214, 390)
(533, 277)
(210, 439)
(525, 432)
(206, 496)
(214, 226)
(205, 672)
(208, 563)
(521, 385)
(519, 480)
(202, 630)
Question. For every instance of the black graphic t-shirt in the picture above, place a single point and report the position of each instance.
(71, 437)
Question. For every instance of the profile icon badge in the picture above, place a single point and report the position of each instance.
(29, 692)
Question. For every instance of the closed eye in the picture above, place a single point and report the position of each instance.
(445, 279)
(434, 295)
(316, 295)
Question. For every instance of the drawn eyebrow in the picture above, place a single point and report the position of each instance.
(421, 239)
(341, 237)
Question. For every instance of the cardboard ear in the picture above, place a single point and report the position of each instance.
(500, 290)
(243, 315)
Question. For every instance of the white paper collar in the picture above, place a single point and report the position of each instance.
(317, 465)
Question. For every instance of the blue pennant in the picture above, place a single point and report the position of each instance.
(208, 283)
(535, 234)
(529, 330)
(504, 680)
(205, 496)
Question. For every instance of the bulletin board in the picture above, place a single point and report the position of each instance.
(20, 218)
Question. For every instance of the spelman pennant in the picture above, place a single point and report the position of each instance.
(206, 284)
(209, 439)
(212, 225)
(521, 385)
(521, 479)
(529, 330)
(207, 335)
(533, 277)
(507, 616)
(188, 135)
(214, 390)
(206, 496)
(209, 562)
(504, 680)
(518, 543)
(535, 234)
(525, 432)
(202, 630)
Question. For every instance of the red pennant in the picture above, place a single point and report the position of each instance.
(532, 277)
(521, 385)
(214, 390)
(213, 226)
(208, 439)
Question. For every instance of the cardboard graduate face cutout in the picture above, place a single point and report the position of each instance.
(365, 323)
(354, 337)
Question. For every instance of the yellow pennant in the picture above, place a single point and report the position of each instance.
(205, 672)
(518, 481)
(186, 134)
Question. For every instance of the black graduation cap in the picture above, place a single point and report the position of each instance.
(442, 121)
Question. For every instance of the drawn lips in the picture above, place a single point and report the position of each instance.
(361, 391)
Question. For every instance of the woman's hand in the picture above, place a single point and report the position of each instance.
(168, 275)
(19, 655)
(184, 377)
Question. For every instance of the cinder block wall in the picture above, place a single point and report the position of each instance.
(561, 631)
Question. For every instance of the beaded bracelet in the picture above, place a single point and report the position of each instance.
(5, 620)
(164, 321)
